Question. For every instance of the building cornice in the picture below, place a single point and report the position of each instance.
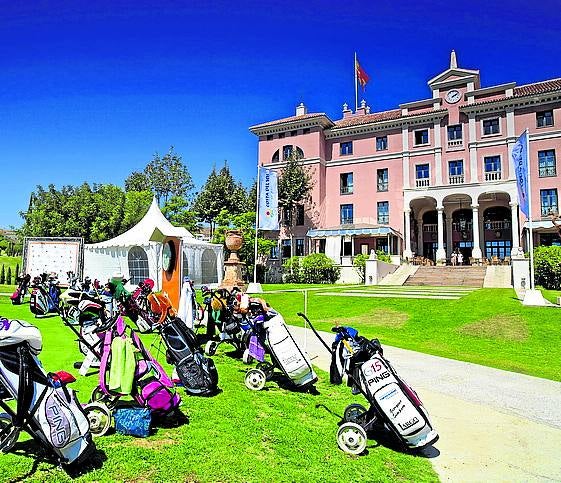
(491, 90)
(498, 105)
(321, 121)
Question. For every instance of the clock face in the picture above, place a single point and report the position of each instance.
(453, 96)
(168, 256)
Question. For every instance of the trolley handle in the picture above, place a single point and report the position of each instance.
(300, 314)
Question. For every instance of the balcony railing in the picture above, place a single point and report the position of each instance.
(432, 227)
(455, 143)
(382, 186)
(546, 171)
(346, 190)
(497, 225)
(347, 220)
(467, 226)
(456, 179)
(492, 175)
(422, 182)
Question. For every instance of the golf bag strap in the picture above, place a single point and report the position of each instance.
(25, 389)
(105, 361)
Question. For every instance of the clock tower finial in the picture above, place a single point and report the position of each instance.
(453, 61)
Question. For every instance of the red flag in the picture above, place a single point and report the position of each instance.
(361, 75)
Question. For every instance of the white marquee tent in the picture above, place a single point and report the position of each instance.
(136, 254)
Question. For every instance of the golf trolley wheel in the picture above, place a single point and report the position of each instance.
(99, 417)
(353, 412)
(8, 441)
(267, 368)
(210, 348)
(98, 396)
(351, 438)
(246, 358)
(255, 379)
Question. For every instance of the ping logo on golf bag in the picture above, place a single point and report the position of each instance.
(372, 370)
(4, 324)
(58, 422)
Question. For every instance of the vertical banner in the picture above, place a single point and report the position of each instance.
(268, 200)
(520, 162)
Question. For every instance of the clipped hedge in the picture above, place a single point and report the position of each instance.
(547, 267)
(314, 268)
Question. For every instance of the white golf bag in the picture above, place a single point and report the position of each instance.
(46, 408)
(292, 360)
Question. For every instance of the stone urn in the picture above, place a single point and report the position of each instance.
(234, 241)
(233, 266)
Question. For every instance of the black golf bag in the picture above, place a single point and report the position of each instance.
(46, 408)
(197, 373)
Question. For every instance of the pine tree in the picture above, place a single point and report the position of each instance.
(3, 275)
(9, 276)
(17, 272)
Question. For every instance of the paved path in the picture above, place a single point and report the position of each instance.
(494, 425)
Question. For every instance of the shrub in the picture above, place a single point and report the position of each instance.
(314, 268)
(359, 263)
(291, 270)
(383, 256)
(547, 267)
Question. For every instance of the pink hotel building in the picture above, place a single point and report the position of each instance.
(426, 178)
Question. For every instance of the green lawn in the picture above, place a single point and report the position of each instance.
(273, 435)
(488, 326)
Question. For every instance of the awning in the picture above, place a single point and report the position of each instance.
(372, 230)
(543, 224)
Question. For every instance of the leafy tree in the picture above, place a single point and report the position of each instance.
(176, 210)
(246, 223)
(220, 192)
(137, 181)
(136, 206)
(95, 213)
(313, 268)
(168, 176)
(294, 184)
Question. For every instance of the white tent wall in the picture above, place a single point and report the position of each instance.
(105, 262)
(205, 263)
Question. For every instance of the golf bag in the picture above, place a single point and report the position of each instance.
(45, 296)
(47, 409)
(393, 402)
(128, 369)
(286, 353)
(197, 373)
(23, 285)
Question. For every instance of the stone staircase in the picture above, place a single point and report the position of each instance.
(400, 275)
(448, 276)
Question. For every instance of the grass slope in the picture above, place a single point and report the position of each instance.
(487, 326)
(239, 435)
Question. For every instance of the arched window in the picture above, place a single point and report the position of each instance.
(287, 150)
(208, 266)
(276, 157)
(138, 265)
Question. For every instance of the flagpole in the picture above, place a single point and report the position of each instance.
(356, 86)
(531, 237)
(256, 228)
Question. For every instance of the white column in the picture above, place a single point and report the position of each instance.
(407, 253)
(511, 137)
(405, 159)
(440, 253)
(476, 251)
(437, 153)
(516, 251)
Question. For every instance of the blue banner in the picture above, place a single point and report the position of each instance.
(268, 200)
(520, 162)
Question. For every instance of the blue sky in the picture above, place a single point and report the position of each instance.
(90, 90)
